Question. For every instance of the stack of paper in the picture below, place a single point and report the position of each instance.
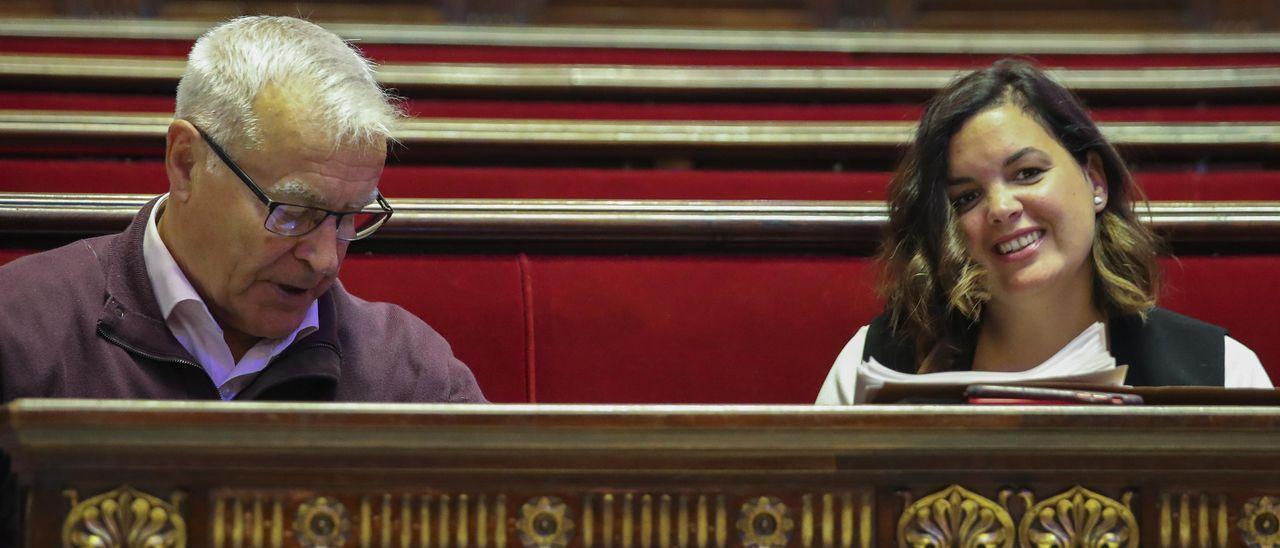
(1085, 360)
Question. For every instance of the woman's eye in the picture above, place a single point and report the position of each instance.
(964, 201)
(1027, 173)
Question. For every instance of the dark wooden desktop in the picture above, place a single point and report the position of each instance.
(249, 475)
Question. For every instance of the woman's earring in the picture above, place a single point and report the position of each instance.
(1097, 200)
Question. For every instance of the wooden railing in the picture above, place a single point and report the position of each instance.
(567, 141)
(160, 75)
(256, 475)
(1030, 41)
(843, 225)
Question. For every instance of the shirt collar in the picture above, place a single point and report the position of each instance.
(171, 286)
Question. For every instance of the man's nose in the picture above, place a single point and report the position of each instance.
(319, 248)
(1003, 205)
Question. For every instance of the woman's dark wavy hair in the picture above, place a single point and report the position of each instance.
(934, 291)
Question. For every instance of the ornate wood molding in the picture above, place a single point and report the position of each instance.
(263, 474)
(71, 125)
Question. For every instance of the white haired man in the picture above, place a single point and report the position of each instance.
(226, 287)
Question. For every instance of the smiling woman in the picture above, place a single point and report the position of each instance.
(1013, 247)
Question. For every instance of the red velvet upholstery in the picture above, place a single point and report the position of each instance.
(402, 53)
(1237, 292)
(95, 102)
(476, 302)
(692, 329)
(702, 329)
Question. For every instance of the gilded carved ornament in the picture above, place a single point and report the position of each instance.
(1079, 517)
(321, 523)
(544, 522)
(1260, 523)
(957, 517)
(765, 522)
(126, 518)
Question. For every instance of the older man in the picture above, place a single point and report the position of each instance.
(226, 287)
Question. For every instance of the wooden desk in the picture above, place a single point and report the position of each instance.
(215, 474)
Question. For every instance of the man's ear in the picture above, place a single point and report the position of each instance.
(180, 160)
(1097, 177)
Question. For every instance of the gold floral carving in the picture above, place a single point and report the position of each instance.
(764, 522)
(956, 517)
(1079, 517)
(124, 517)
(544, 522)
(1260, 522)
(322, 522)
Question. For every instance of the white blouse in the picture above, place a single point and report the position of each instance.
(842, 387)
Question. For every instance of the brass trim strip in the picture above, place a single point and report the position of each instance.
(366, 522)
(277, 523)
(461, 533)
(828, 519)
(646, 520)
(606, 512)
(588, 521)
(442, 522)
(1202, 515)
(724, 79)
(702, 521)
(627, 133)
(722, 522)
(384, 521)
(1166, 520)
(500, 522)
(628, 524)
(866, 525)
(682, 522)
(846, 520)
(832, 222)
(691, 39)
(237, 523)
(406, 521)
(1224, 530)
(664, 522)
(219, 525)
(806, 520)
(258, 537)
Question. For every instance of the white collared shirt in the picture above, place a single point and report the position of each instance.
(191, 323)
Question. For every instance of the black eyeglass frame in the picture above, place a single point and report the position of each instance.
(272, 205)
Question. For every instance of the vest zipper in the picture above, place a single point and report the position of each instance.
(129, 348)
(147, 355)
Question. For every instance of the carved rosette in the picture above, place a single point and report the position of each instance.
(124, 517)
(764, 522)
(1260, 523)
(544, 522)
(322, 522)
(1080, 517)
(955, 516)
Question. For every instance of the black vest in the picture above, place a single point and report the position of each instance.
(1169, 349)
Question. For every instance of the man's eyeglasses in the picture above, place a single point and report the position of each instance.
(298, 220)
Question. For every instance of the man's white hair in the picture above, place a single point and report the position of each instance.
(235, 61)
